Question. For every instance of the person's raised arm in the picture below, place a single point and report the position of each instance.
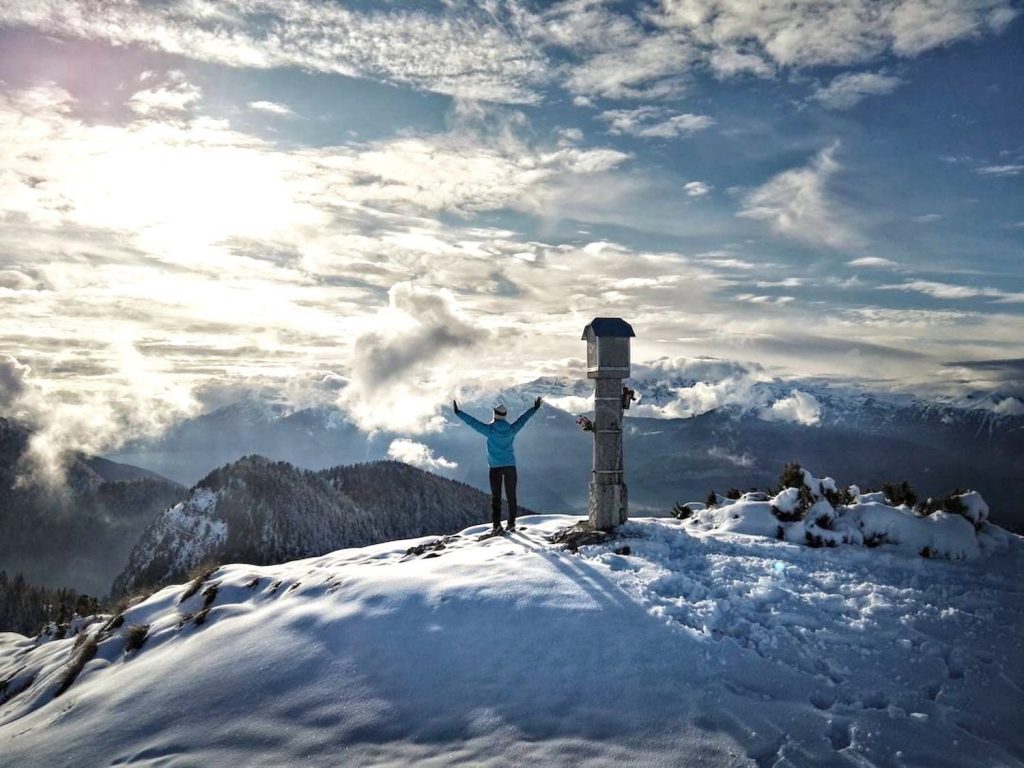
(479, 426)
(521, 421)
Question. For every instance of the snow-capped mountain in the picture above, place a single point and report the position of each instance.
(78, 535)
(714, 427)
(676, 643)
(261, 511)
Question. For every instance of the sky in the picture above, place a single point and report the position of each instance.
(385, 205)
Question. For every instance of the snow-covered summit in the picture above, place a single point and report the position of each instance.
(667, 646)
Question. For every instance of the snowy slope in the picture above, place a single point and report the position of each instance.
(700, 646)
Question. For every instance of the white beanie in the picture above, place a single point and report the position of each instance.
(500, 411)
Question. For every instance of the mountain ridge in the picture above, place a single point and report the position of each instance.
(265, 512)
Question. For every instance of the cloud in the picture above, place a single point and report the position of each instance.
(13, 377)
(654, 122)
(696, 188)
(848, 89)
(744, 460)
(1005, 375)
(730, 62)
(467, 55)
(952, 291)
(717, 384)
(617, 58)
(175, 95)
(216, 183)
(832, 32)
(136, 402)
(1009, 406)
(404, 360)
(1000, 171)
(513, 53)
(799, 408)
(418, 455)
(873, 262)
(916, 26)
(271, 108)
(796, 204)
(653, 53)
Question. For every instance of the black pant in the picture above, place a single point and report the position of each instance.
(508, 475)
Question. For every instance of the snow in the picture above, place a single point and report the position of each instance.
(195, 528)
(975, 508)
(700, 644)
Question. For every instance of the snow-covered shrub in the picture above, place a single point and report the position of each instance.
(899, 494)
(755, 496)
(715, 499)
(751, 518)
(683, 511)
(940, 535)
(790, 504)
(800, 491)
(792, 476)
(818, 513)
(973, 507)
(871, 497)
(968, 504)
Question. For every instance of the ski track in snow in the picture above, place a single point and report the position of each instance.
(693, 648)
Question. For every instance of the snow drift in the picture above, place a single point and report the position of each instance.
(671, 645)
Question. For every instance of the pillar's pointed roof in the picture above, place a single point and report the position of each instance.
(607, 326)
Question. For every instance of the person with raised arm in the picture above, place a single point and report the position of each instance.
(501, 457)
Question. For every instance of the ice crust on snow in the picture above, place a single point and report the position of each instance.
(712, 647)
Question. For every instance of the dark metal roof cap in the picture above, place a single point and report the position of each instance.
(608, 326)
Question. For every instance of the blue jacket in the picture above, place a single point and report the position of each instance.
(500, 436)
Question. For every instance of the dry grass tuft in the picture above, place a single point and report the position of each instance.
(84, 655)
(135, 637)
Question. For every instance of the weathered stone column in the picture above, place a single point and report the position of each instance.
(608, 364)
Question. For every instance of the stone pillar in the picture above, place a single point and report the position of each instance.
(608, 502)
(608, 365)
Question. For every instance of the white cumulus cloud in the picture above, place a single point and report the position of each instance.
(418, 455)
(799, 407)
(400, 363)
